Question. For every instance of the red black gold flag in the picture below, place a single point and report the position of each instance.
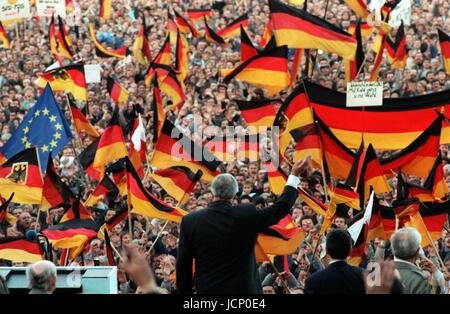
(76, 211)
(64, 41)
(117, 92)
(141, 47)
(359, 246)
(105, 188)
(299, 29)
(109, 249)
(21, 174)
(366, 172)
(366, 29)
(307, 144)
(435, 181)
(198, 14)
(258, 113)
(4, 215)
(267, 35)
(352, 66)
(81, 122)
(181, 58)
(111, 145)
(378, 59)
(172, 28)
(386, 127)
(396, 50)
(53, 43)
(387, 8)
(233, 28)
(282, 238)
(444, 42)
(169, 84)
(247, 49)
(269, 69)
(55, 192)
(19, 249)
(223, 147)
(144, 203)
(417, 158)
(119, 175)
(174, 148)
(69, 78)
(102, 52)
(178, 181)
(248, 147)
(120, 215)
(87, 157)
(163, 57)
(434, 216)
(158, 110)
(359, 7)
(212, 36)
(184, 25)
(296, 65)
(4, 37)
(105, 9)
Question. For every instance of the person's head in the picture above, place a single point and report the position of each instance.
(338, 244)
(405, 244)
(340, 222)
(307, 223)
(224, 187)
(268, 289)
(42, 276)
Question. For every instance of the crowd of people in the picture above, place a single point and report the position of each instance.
(209, 109)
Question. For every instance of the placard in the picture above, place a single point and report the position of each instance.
(92, 73)
(14, 9)
(364, 94)
(51, 7)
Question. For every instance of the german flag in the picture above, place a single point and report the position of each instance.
(397, 50)
(248, 147)
(435, 181)
(69, 78)
(172, 28)
(267, 35)
(19, 249)
(359, 7)
(64, 41)
(352, 66)
(52, 40)
(117, 218)
(105, 188)
(307, 144)
(316, 205)
(111, 145)
(4, 37)
(434, 216)
(420, 192)
(417, 158)
(223, 147)
(338, 158)
(55, 192)
(174, 148)
(163, 57)
(87, 157)
(72, 234)
(386, 127)
(102, 52)
(182, 57)
(81, 122)
(198, 14)
(366, 172)
(178, 181)
(119, 175)
(233, 29)
(184, 25)
(258, 113)
(21, 174)
(212, 36)
(109, 250)
(444, 42)
(366, 29)
(117, 92)
(296, 65)
(296, 112)
(170, 85)
(269, 69)
(378, 58)
(247, 49)
(143, 203)
(283, 238)
(358, 246)
(141, 48)
(138, 146)
(158, 110)
(105, 9)
(299, 29)
(76, 211)
(387, 8)
(4, 215)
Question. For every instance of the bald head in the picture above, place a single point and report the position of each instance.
(42, 276)
(224, 187)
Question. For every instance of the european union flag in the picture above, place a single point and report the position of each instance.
(43, 126)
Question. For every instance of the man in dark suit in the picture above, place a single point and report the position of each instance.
(221, 238)
(339, 277)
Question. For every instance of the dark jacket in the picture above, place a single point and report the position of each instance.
(337, 278)
(221, 239)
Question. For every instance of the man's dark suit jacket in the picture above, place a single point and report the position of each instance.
(337, 278)
(221, 239)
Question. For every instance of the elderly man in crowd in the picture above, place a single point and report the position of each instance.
(42, 277)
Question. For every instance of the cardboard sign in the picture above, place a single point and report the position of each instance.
(14, 9)
(364, 94)
(51, 7)
(92, 73)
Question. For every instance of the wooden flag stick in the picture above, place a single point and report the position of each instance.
(158, 236)
(117, 252)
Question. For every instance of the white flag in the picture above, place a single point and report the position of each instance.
(138, 135)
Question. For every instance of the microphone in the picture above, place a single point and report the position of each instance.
(31, 235)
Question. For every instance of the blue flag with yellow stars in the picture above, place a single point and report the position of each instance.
(43, 126)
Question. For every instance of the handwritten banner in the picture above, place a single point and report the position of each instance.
(14, 9)
(364, 94)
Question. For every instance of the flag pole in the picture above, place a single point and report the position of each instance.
(158, 236)
(277, 273)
